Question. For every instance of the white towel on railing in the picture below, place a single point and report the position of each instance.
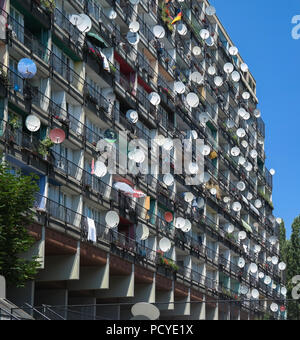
(105, 62)
(92, 236)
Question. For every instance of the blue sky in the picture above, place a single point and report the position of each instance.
(262, 32)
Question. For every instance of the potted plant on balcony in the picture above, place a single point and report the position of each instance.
(49, 5)
(45, 146)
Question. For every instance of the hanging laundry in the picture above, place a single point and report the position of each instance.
(105, 62)
(92, 235)
(93, 167)
(178, 17)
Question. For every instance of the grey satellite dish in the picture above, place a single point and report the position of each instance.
(145, 309)
(33, 123)
(134, 26)
(192, 99)
(244, 67)
(182, 29)
(210, 11)
(159, 31)
(218, 81)
(179, 87)
(133, 38)
(211, 70)
(84, 24)
(210, 41)
(197, 77)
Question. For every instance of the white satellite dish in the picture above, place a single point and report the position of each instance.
(283, 291)
(253, 154)
(134, 26)
(230, 123)
(273, 240)
(242, 235)
(244, 290)
(192, 134)
(245, 145)
(160, 140)
(142, 232)
(235, 76)
(211, 70)
(244, 67)
(235, 151)
(272, 172)
(281, 266)
(249, 196)
(205, 150)
(133, 38)
(179, 87)
(200, 202)
(258, 204)
(246, 95)
(168, 144)
(241, 186)
(269, 259)
(84, 23)
(145, 309)
(241, 133)
(204, 34)
(110, 13)
(182, 29)
(229, 228)
(154, 98)
(75, 19)
(179, 223)
(187, 227)
(233, 50)
(253, 268)
(261, 275)
(242, 112)
(248, 166)
(204, 177)
(267, 280)
(188, 197)
(279, 220)
(213, 191)
(210, 11)
(228, 68)
(210, 41)
(168, 179)
(275, 260)
(165, 244)
(255, 293)
(132, 116)
(192, 99)
(246, 116)
(260, 140)
(257, 248)
(204, 117)
(242, 160)
(100, 169)
(112, 219)
(218, 81)
(193, 168)
(159, 31)
(241, 262)
(33, 123)
(196, 51)
(236, 206)
(197, 77)
(257, 113)
(226, 199)
(274, 307)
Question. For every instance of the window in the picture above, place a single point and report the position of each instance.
(62, 64)
(17, 23)
(93, 87)
(15, 78)
(92, 213)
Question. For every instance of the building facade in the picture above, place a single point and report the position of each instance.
(86, 82)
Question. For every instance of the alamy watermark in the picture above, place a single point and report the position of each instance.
(296, 28)
(296, 289)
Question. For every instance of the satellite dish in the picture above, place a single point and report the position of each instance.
(261, 275)
(242, 235)
(143, 308)
(260, 140)
(253, 268)
(213, 191)
(258, 204)
(139, 156)
(188, 197)
(112, 219)
(273, 240)
(204, 34)
(253, 154)
(282, 266)
(33, 123)
(246, 95)
(27, 68)
(211, 70)
(235, 151)
(255, 293)
(204, 177)
(168, 179)
(242, 112)
(244, 290)
(132, 116)
(142, 232)
(210, 11)
(196, 51)
(233, 50)
(245, 146)
(179, 223)
(244, 67)
(274, 307)
(218, 81)
(267, 280)
(249, 196)
(160, 140)
(241, 262)
(168, 144)
(110, 97)
(165, 244)
(179, 87)
(204, 117)
(57, 136)
(230, 123)
(279, 220)
(75, 19)
(111, 14)
(200, 202)
(197, 77)
(235, 76)
(193, 168)
(133, 38)
(100, 169)
(236, 206)
(192, 99)
(272, 172)
(228, 68)
(246, 116)
(248, 166)
(159, 31)
(242, 160)
(241, 186)
(168, 217)
(84, 24)
(182, 29)
(257, 113)
(205, 150)
(283, 291)
(110, 136)
(154, 98)
(187, 227)
(134, 26)
(241, 133)
(257, 248)
(269, 259)
(275, 260)
(210, 41)
(226, 199)
(229, 228)
(192, 134)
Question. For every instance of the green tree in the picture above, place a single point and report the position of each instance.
(17, 195)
